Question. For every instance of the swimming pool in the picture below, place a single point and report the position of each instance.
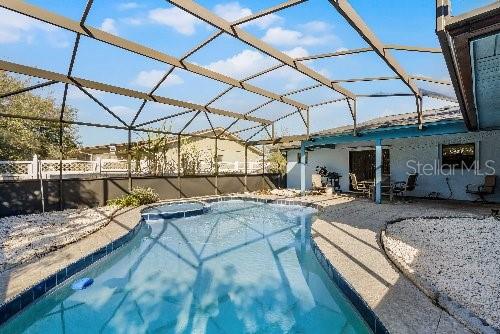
(242, 267)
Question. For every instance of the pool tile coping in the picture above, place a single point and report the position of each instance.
(27, 297)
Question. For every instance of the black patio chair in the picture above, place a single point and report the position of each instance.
(487, 188)
(402, 187)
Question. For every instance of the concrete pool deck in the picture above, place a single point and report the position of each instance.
(347, 231)
(19, 278)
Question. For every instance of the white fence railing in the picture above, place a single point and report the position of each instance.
(49, 169)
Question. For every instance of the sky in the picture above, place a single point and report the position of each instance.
(313, 27)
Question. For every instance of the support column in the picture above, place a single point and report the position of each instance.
(129, 160)
(354, 118)
(216, 168)
(419, 112)
(302, 168)
(179, 165)
(61, 153)
(378, 171)
(263, 166)
(308, 122)
(352, 109)
(246, 167)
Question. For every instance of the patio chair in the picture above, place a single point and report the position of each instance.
(360, 187)
(402, 187)
(487, 188)
(317, 185)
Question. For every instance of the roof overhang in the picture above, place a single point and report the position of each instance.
(456, 36)
(394, 132)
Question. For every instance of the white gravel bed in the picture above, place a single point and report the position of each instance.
(25, 237)
(457, 256)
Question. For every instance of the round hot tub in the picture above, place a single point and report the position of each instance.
(175, 210)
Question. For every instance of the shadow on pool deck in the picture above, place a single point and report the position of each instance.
(348, 232)
(254, 302)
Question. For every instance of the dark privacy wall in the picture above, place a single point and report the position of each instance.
(20, 197)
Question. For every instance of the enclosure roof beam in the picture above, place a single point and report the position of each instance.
(439, 96)
(432, 80)
(326, 102)
(345, 9)
(412, 48)
(300, 90)
(163, 118)
(74, 26)
(385, 95)
(48, 75)
(246, 129)
(27, 89)
(216, 21)
(363, 50)
(335, 54)
(245, 19)
(268, 11)
(417, 78)
(284, 139)
(368, 79)
(107, 126)
(343, 53)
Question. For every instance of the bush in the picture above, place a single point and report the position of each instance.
(138, 196)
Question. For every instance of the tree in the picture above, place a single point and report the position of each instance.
(153, 149)
(20, 138)
(193, 158)
(277, 162)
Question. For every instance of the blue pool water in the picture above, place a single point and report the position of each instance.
(243, 267)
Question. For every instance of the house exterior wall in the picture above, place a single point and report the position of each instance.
(405, 154)
(228, 150)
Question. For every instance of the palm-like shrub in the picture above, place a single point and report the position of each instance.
(138, 196)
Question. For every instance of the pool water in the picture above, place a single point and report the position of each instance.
(243, 267)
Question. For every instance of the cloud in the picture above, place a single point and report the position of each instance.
(250, 62)
(128, 5)
(133, 21)
(242, 64)
(233, 11)
(149, 79)
(16, 27)
(285, 37)
(186, 24)
(316, 26)
(122, 110)
(109, 26)
(297, 52)
(76, 94)
(176, 19)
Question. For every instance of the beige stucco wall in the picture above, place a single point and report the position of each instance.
(229, 151)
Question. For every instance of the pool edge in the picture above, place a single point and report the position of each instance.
(366, 312)
(25, 298)
(22, 300)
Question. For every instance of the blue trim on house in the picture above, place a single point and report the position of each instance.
(391, 132)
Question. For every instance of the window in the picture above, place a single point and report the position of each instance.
(220, 157)
(458, 155)
(307, 157)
